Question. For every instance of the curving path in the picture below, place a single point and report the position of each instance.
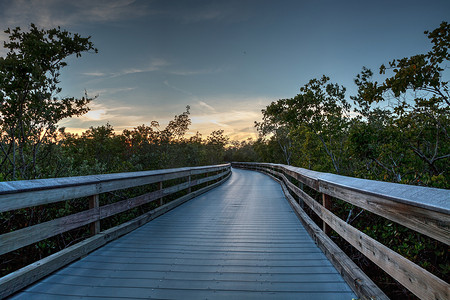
(240, 240)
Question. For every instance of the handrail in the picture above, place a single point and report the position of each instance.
(425, 210)
(28, 193)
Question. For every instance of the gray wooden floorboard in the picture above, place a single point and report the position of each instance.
(239, 241)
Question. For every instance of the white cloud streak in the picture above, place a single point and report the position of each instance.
(209, 107)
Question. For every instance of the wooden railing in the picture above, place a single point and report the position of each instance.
(16, 195)
(425, 210)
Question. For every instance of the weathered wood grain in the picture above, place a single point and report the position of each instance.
(94, 204)
(20, 238)
(28, 193)
(432, 223)
(326, 202)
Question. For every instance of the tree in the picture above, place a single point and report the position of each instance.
(215, 147)
(322, 108)
(274, 126)
(419, 113)
(29, 107)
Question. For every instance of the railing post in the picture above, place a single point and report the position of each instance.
(300, 200)
(189, 181)
(94, 204)
(326, 202)
(160, 187)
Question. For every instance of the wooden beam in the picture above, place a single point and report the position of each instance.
(160, 187)
(435, 224)
(94, 204)
(29, 193)
(326, 202)
(23, 237)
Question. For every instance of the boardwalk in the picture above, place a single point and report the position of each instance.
(239, 241)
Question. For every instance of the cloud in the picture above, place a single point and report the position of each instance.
(235, 117)
(194, 72)
(166, 83)
(94, 74)
(96, 115)
(155, 65)
(209, 107)
(110, 91)
(52, 13)
(100, 114)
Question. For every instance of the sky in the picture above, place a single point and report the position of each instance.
(226, 59)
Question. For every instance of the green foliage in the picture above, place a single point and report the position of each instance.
(320, 108)
(29, 108)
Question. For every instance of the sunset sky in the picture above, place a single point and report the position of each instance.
(226, 59)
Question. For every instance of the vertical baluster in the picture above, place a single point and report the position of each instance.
(300, 201)
(326, 202)
(160, 187)
(94, 204)
(189, 181)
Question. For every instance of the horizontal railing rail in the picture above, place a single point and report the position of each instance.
(17, 195)
(425, 210)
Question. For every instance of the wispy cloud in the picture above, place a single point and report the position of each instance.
(51, 13)
(100, 113)
(110, 91)
(203, 104)
(194, 72)
(154, 65)
(94, 74)
(166, 83)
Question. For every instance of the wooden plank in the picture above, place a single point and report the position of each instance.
(124, 205)
(28, 193)
(206, 179)
(433, 199)
(434, 224)
(359, 282)
(19, 279)
(40, 197)
(23, 237)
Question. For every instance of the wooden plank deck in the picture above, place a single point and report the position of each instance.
(240, 240)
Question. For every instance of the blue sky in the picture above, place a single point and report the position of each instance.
(226, 59)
